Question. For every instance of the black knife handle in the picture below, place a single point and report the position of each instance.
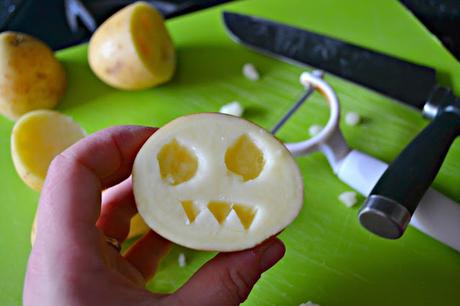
(391, 203)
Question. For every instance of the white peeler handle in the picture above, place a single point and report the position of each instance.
(436, 215)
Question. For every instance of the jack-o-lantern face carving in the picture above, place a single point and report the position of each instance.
(216, 182)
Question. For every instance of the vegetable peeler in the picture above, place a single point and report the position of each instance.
(436, 215)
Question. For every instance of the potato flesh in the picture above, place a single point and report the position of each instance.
(220, 210)
(245, 214)
(152, 43)
(190, 210)
(137, 227)
(177, 163)
(217, 209)
(37, 138)
(244, 158)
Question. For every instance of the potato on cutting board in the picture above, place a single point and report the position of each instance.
(36, 139)
(132, 49)
(30, 76)
(226, 190)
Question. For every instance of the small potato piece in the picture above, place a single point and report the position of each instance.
(132, 49)
(30, 76)
(250, 72)
(352, 118)
(182, 260)
(36, 139)
(315, 129)
(33, 232)
(233, 108)
(309, 304)
(348, 198)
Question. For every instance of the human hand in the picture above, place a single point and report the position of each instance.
(72, 264)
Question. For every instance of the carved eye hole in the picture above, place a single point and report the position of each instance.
(177, 163)
(244, 158)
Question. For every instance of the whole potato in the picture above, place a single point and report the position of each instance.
(30, 76)
(132, 49)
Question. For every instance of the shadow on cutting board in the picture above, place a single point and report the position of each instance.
(82, 84)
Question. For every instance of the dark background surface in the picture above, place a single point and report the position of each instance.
(46, 19)
(442, 18)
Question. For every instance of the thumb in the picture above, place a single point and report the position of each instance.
(228, 278)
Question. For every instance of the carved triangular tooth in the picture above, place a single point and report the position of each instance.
(219, 210)
(245, 214)
(190, 210)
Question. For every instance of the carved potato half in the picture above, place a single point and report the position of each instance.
(216, 182)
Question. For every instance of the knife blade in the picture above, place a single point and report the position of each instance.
(407, 82)
(396, 195)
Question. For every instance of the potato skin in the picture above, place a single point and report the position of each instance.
(30, 76)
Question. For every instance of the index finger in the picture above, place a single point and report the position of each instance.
(71, 197)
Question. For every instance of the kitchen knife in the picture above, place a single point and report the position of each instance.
(393, 200)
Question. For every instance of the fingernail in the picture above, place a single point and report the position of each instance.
(271, 254)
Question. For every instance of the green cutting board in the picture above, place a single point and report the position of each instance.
(330, 259)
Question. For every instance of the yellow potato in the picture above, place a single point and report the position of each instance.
(132, 49)
(36, 139)
(30, 76)
(137, 227)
